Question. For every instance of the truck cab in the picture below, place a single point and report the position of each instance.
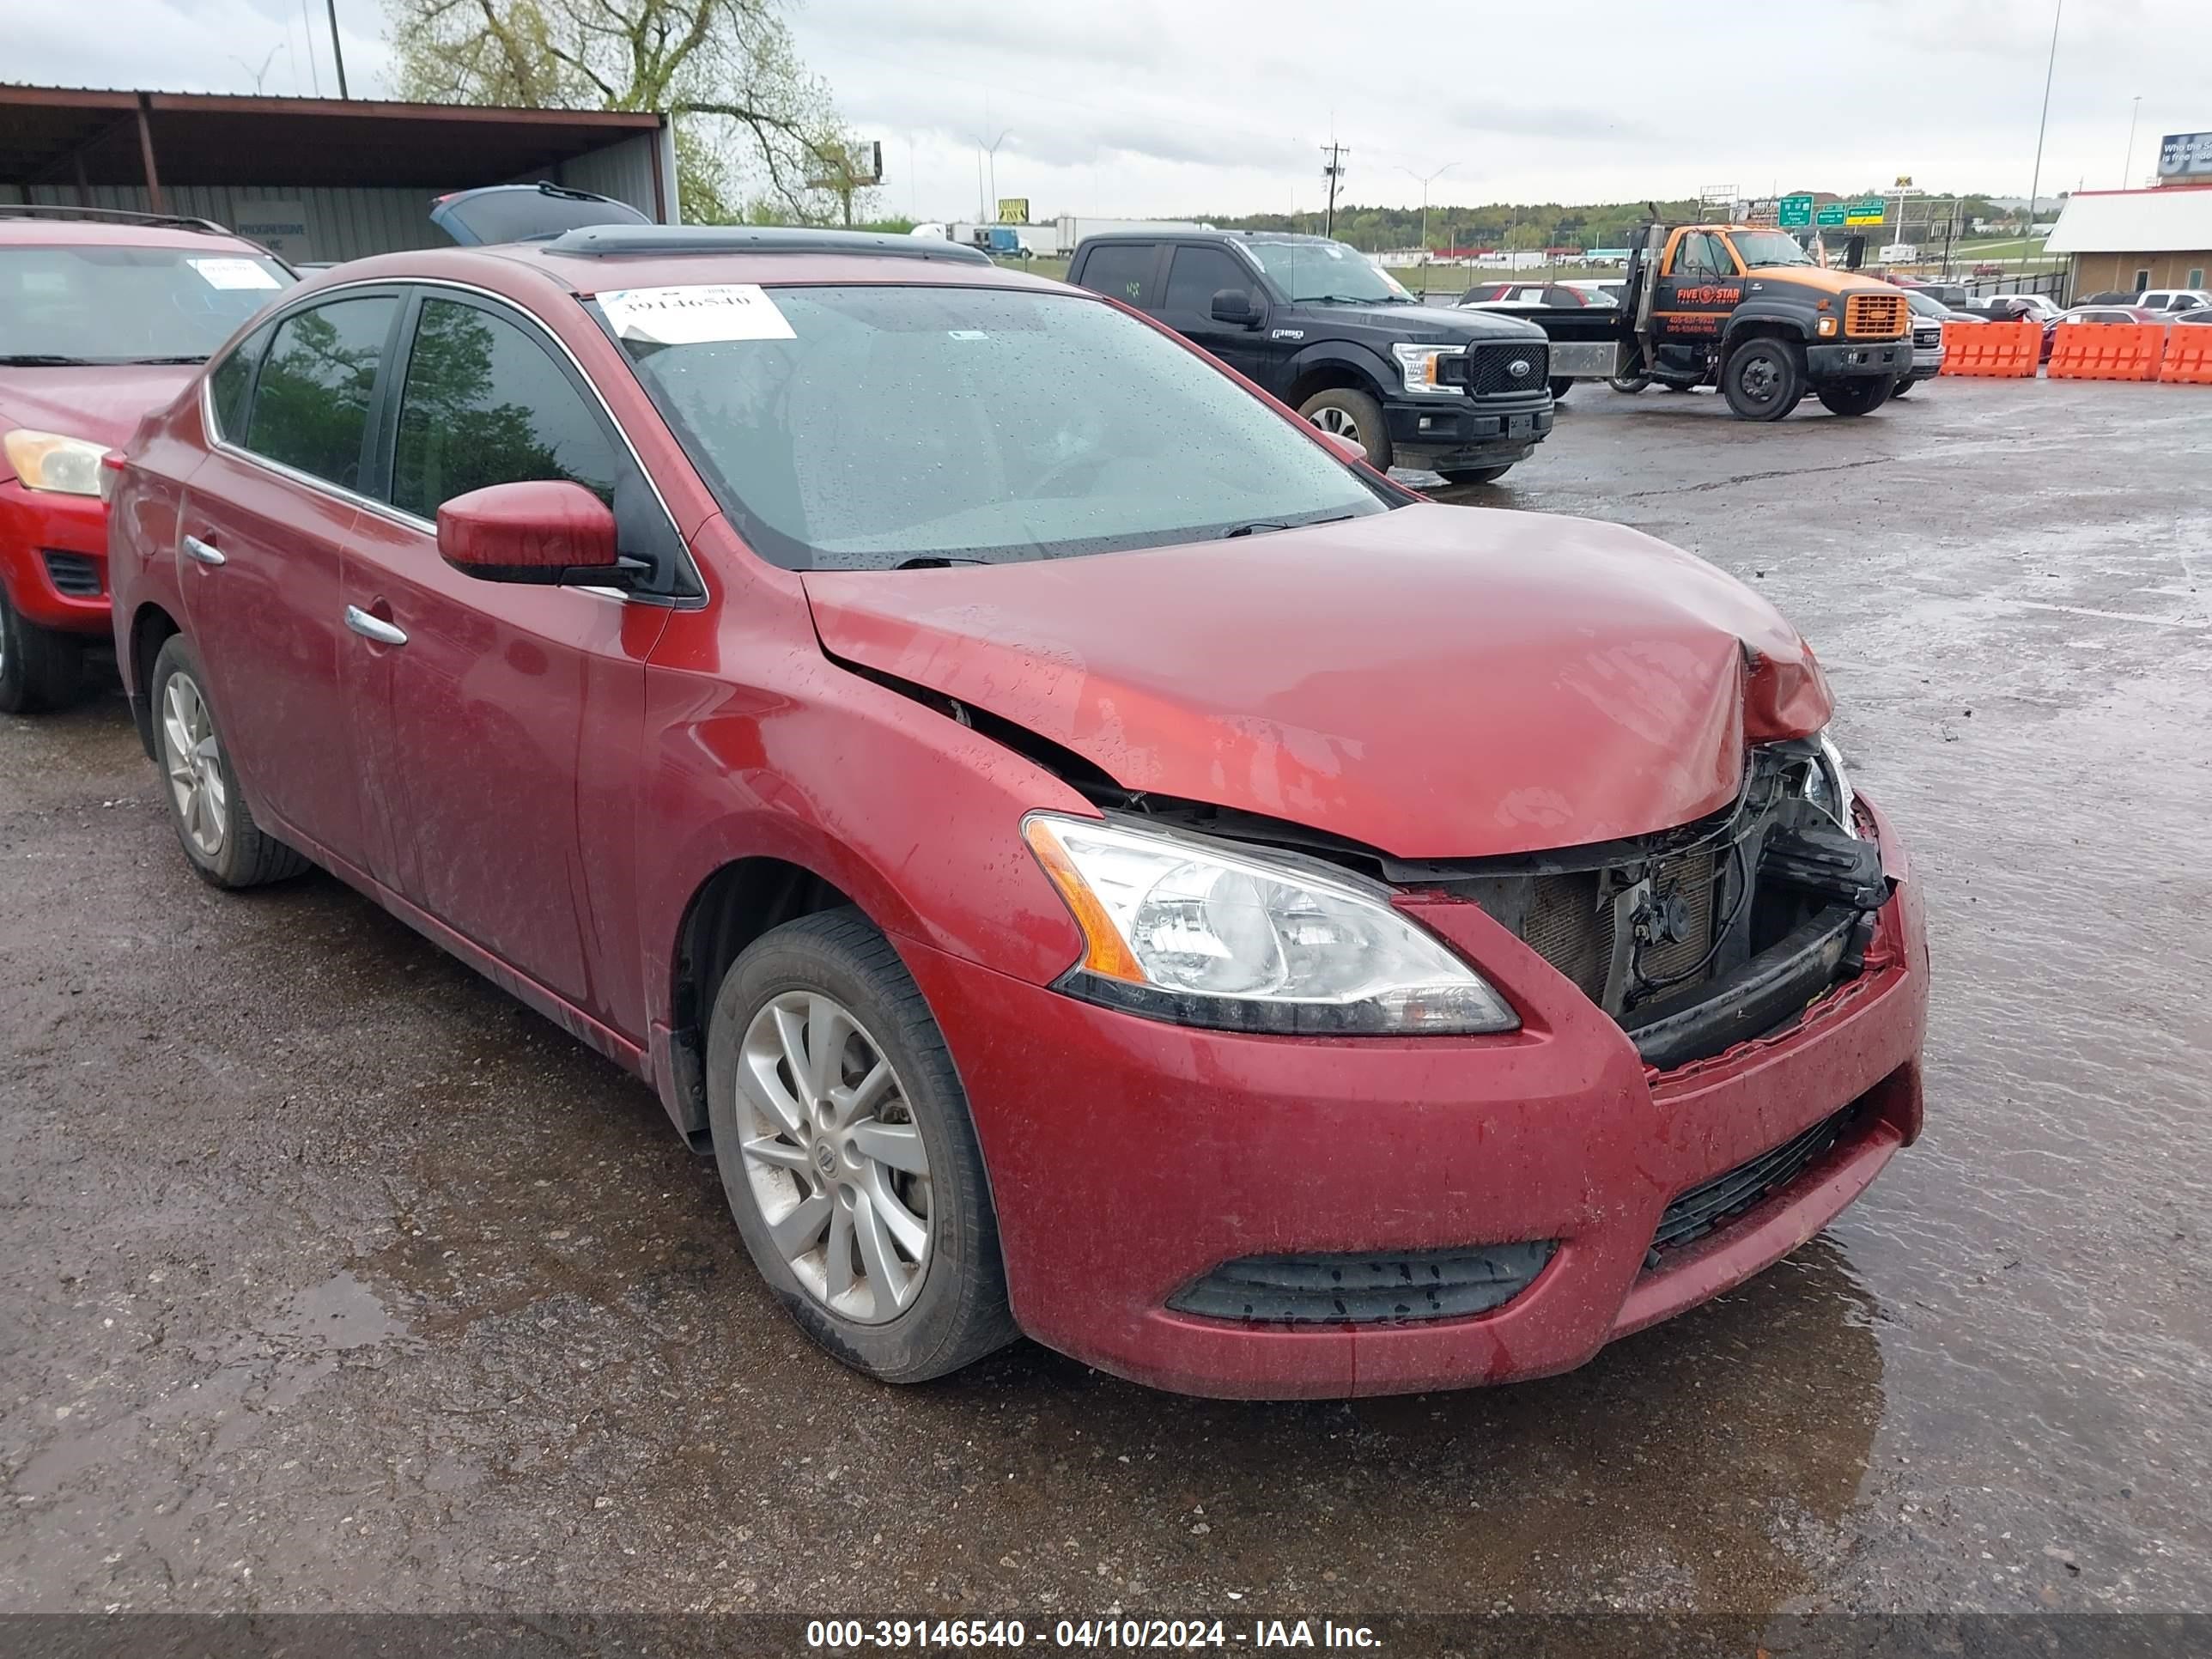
(1463, 392)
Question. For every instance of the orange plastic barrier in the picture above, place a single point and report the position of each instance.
(2007, 351)
(2107, 351)
(2188, 360)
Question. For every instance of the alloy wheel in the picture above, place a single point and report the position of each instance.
(193, 760)
(834, 1157)
(1338, 423)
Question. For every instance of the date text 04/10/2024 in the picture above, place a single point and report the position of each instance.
(923, 1635)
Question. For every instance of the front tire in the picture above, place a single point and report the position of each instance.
(847, 1153)
(1560, 386)
(1862, 396)
(1763, 378)
(1474, 475)
(39, 668)
(207, 809)
(1349, 414)
(1902, 387)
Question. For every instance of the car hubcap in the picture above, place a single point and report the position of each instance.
(1759, 381)
(1339, 422)
(834, 1157)
(194, 764)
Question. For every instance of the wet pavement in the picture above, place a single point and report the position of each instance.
(333, 1279)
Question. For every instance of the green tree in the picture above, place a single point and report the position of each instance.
(744, 106)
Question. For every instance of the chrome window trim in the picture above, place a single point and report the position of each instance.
(386, 510)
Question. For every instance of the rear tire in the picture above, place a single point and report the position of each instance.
(1862, 396)
(226, 848)
(1764, 378)
(1474, 475)
(1902, 387)
(39, 668)
(917, 1287)
(1351, 413)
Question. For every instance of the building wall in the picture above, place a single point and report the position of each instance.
(2096, 273)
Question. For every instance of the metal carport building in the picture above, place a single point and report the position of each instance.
(319, 179)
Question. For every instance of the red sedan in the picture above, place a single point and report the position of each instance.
(103, 317)
(1086, 856)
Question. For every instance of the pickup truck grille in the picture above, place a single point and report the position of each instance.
(1876, 316)
(1926, 337)
(1504, 370)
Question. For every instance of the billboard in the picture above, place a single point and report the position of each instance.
(1013, 209)
(2185, 156)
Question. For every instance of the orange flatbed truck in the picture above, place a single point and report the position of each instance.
(1748, 308)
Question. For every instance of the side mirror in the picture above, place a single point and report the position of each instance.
(1349, 446)
(1235, 304)
(547, 531)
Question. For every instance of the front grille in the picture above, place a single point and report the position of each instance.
(1926, 337)
(1877, 316)
(1491, 373)
(72, 574)
(1717, 1202)
(1378, 1287)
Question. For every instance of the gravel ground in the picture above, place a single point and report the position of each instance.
(335, 1280)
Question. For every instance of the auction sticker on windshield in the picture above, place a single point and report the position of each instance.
(695, 315)
(233, 273)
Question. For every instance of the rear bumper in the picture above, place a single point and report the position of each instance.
(1129, 1159)
(34, 523)
(1846, 359)
(1453, 432)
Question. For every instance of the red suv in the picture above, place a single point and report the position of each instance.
(1086, 856)
(102, 319)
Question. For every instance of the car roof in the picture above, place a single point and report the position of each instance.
(59, 232)
(1198, 234)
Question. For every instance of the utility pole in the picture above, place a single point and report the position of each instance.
(337, 51)
(1333, 172)
(2128, 167)
(2035, 179)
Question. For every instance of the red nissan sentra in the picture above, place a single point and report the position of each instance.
(1087, 857)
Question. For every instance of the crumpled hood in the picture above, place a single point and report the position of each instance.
(103, 403)
(1436, 682)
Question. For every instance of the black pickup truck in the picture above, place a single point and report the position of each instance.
(1464, 393)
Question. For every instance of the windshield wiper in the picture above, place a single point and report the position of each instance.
(149, 362)
(43, 360)
(1257, 524)
(937, 561)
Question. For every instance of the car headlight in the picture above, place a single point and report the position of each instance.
(1829, 786)
(1423, 365)
(47, 460)
(1182, 930)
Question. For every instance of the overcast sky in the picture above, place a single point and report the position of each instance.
(1173, 106)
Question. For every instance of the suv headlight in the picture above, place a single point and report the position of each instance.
(47, 460)
(1829, 786)
(1423, 366)
(1184, 931)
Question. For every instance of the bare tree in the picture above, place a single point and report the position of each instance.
(726, 69)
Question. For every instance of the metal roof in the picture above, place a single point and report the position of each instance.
(612, 240)
(69, 135)
(2171, 219)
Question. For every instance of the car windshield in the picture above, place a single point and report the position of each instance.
(865, 428)
(1768, 248)
(104, 304)
(1326, 271)
(1927, 305)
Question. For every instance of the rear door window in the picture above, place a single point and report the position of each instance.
(1197, 275)
(485, 404)
(1127, 271)
(311, 403)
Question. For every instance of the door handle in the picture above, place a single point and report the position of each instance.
(205, 552)
(373, 628)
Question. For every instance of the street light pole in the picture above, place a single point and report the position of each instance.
(2128, 167)
(1426, 182)
(2035, 181)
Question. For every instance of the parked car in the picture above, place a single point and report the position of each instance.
(2201, 315)
(1089, 857)
(2014, 307)
(2176, 299)
(1525, 296)
(1929, 316)
(2096, 313)
(103, 317)
(1461, 393)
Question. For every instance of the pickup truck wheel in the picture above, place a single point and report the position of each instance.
(39, 668)
(1349, 414)
(1902, 387)
(214, 826)
(1628, 384)
(1474, 475)
(1560, 387)
(1862, 396)
(1763, 378)
(847, 1153)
